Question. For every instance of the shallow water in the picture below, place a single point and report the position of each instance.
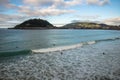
(12, 40)
(99, 61)
(85, 63)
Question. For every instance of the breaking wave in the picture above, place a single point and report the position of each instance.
(60, 48)
(70, 46)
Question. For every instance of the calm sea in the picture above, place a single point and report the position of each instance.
(16, 40)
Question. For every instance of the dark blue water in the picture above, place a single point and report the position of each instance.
(12, 40)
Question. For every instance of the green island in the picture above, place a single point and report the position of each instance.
(44, 24)
(35, 24)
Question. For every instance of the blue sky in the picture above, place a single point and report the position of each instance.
(59, 12)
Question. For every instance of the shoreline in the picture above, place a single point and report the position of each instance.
(81, 63)
(59, 29)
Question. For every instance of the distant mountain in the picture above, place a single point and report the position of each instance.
(34, 24)
(89, 25)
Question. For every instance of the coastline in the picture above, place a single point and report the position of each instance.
(81, 63)
(59, 29)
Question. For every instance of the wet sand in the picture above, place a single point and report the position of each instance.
(99, 61)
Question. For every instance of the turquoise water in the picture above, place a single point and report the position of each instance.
(15, 40)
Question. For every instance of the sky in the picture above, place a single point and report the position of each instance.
(59, 12)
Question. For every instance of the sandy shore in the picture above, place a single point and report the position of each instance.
(99, 61)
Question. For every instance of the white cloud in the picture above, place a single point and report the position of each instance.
(112, 21)
(10, 20)
(38, 2)
(3, 2)
(53, 7)
(74, 2)
(48, 7)
(5, 17)
(64, 3)
(87, 17)
(67, 3)
(53, 11)
(36, 11)
(5, 5)
(52, 2)
(97, 2)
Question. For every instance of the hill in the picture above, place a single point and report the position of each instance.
(43, 24)
(89, 25)
(34, 24)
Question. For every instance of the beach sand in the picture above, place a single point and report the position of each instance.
(99, 61)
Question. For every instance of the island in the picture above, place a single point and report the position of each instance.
(44, 24)
(90, 25)
(35, 24)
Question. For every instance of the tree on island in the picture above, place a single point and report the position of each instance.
(34, 24)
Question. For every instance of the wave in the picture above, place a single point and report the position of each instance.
(70, 46)
(112, 39)
(13, 53)
(60, 48)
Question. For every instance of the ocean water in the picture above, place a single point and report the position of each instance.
(82, 63)
(25, 40)
(85, 63)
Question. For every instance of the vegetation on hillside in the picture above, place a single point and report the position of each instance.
(34, 24)
(89, 25)
(43, 24)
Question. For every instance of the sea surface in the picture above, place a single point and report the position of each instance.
(98, 61)
(12, 40)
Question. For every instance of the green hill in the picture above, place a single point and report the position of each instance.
(43, 24)
(34, 24)
(89, 25)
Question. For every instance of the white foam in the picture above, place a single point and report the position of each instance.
(91, 42)
(45, 50)
(57, 48)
